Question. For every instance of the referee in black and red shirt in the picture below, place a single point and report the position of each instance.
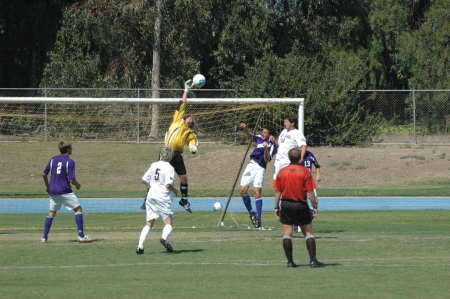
(293, 185)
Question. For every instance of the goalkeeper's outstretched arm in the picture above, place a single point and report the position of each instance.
(187, 86)
(181, 108)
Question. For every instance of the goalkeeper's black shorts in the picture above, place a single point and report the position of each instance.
(294, 212)
(178, 163)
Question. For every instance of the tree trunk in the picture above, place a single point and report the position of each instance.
(154, 130)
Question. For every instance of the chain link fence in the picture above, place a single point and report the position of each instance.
(410, 116)
(406, 116)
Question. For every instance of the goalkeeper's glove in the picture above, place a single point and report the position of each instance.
(193, 149)
(188, 85)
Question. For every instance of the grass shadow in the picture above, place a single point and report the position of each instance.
(90, 241)
(186, 251)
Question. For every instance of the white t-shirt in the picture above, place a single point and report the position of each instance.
(159, 175)
(287, 141)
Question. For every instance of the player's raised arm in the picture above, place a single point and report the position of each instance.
(246, 130)
(181, 108)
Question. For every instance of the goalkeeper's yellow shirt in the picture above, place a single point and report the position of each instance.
(179, 134)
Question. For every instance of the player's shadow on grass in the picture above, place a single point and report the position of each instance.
(175, 251)
(87, 242)
(330, 231)
(325, 265)
(317, 237)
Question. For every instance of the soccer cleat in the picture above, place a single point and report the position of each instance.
(43, 240)
(185, 204)
(139, 251)
(84, 239)
(166, 245)
(291, 265)
(258, 223)
(252, 216)
(315, 264)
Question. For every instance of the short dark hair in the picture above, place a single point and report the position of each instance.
(64, 146)
(268, 129)
(294, 155)
(292, 119)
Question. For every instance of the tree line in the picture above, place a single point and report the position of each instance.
(322, 50)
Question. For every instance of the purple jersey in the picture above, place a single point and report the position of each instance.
(258, 153)
(309, 160)
(62, 171)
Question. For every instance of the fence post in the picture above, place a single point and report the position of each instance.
(45, 117)
(413, 94)
(138, 117)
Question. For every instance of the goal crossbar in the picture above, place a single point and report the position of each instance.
(44, 100)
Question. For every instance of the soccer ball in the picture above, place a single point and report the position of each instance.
(217, 206)
(199, 80)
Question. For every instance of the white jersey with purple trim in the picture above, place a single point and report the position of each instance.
(287, 141)
(159, 175)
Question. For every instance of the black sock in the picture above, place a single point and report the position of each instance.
(287, 245)
(311, 246)
(184, 190)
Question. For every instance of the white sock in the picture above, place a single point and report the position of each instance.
(144, 233)
(166, 231)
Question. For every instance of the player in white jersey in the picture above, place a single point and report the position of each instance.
(289, 138)
(160, 178)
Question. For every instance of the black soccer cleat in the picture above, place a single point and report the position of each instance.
(258, 223)
(185, 204)
(166, 245)
(139, 251)
(252, 216)
(315, 264)
(291, 265)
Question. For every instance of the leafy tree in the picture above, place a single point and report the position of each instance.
(335, 115)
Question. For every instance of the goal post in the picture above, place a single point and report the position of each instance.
(77, 100)
(129, 118)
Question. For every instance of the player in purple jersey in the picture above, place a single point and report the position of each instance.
(264, 150)
(62, 175)
(308, 162)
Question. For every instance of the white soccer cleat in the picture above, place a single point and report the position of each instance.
(84, 239)
(43, 240)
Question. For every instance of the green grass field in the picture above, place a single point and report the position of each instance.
(369, 254)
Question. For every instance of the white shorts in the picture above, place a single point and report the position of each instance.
(70, 200)
(278, 165)
(253, 174)
(158, 208)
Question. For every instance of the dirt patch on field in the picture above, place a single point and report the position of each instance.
(340, 166)
(119, 167)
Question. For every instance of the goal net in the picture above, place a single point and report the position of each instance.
(128, 115)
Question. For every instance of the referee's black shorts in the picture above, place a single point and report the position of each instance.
(178, 163)
(294, 212)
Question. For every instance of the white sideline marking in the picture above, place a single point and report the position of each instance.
(332, 262)
(132, 264)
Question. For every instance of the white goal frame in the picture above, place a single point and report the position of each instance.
(75, 100)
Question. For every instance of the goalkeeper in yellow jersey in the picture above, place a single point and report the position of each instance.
(179, 135)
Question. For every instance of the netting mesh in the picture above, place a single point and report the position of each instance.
(131, 122)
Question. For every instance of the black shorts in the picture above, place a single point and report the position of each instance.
(294, 212)
(178, 163)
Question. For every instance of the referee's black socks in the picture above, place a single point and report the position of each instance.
(287, 246)
(184, 190)
(311, 246)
